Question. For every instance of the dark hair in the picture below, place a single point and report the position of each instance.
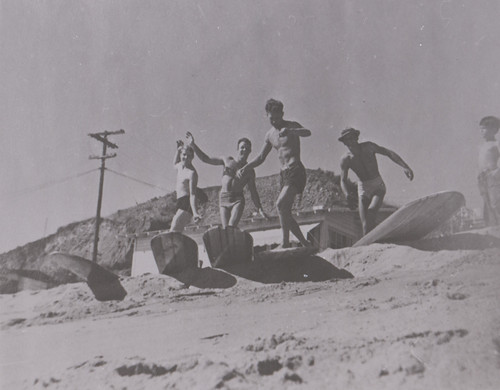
(491, 122)
(272, 105)
(244, 140)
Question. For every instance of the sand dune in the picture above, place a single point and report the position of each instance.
(378, 317)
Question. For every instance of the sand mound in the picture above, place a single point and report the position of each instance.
(408, 317)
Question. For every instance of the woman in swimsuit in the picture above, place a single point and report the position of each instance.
(186, 185)
(231, 199)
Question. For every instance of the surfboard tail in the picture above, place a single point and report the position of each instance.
(228, 246)
(104, 284)
(174, 252)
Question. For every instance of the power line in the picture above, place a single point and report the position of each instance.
(137, 180)
(162, 155)
(47, 185)
(102, 137)
(139, 163)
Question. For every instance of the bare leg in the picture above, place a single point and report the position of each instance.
(236, 213)
(364, 202)
(224, 216)
(288, 224)
(180, 220)
(371, 213)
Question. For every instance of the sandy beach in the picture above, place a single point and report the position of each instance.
(383, 316)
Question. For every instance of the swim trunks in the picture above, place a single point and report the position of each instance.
(295, 176)
(370, 188)
(183, 204)
(201, 197)
(229, 199)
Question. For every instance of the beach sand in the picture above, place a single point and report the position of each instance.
(383, 316)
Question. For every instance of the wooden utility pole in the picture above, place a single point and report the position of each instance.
(102, 137)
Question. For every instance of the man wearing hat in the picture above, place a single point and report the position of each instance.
(362, 159)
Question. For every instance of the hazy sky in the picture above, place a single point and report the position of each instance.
(414, 76)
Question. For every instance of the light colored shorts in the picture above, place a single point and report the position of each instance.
(370, 188)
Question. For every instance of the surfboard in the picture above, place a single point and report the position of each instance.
(174, 252)
(416, 219)
(228, 246)
(104, 284)
(286, 253)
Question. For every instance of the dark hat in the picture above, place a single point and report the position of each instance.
(348, 133)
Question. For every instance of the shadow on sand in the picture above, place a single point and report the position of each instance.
(306, 269)
(461, 241)
(205, 278)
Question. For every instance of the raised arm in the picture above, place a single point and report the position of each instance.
(177, 157)
(193, 184)
(254, 194)
(396, 158)
(202, 155)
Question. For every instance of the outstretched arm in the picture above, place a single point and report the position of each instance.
(255, 196)
(202, 155)
(261, 157)
(177, 157)
(193, 184)
(298, 131)
(396, 158)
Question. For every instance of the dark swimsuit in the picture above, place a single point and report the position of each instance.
(231, 172)
(229, 199)
(294, 175)
(184, 204)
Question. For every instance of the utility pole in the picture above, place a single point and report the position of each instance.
(102, 137)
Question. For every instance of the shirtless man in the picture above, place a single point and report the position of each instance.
(185, 187)
(284, 136)
(362, 159)
(489, 173)
(231, 198)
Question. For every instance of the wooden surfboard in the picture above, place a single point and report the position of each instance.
(228, 246)
(415, 219)
(174, 252)
(286, 253)
(104, 284)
